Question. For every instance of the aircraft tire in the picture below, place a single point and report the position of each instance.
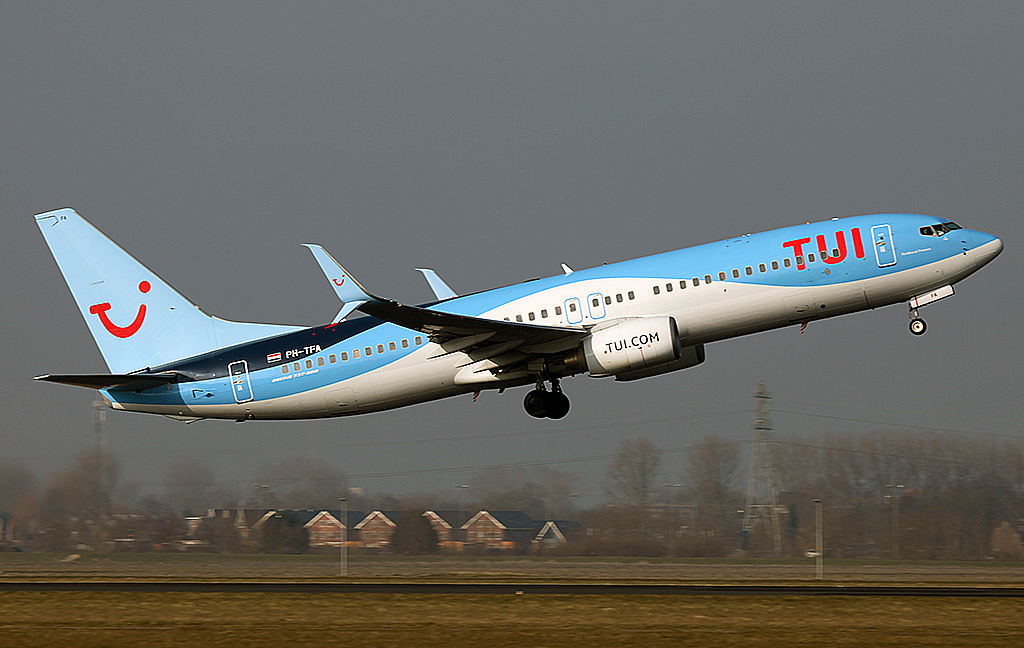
(537, 403)
(558, 405)
(918, 326)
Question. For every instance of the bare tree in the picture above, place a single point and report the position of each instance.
(633, 474)
(710, 477)
(303, 483)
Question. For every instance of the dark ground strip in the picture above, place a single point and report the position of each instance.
(511, 589)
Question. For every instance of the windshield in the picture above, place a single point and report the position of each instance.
(939, 229)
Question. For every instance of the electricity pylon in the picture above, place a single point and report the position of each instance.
(763, 491)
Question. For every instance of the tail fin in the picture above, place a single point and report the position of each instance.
(137, 320)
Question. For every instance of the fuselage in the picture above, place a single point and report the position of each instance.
(716, 291)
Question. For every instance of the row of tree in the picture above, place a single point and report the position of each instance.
(909, 495)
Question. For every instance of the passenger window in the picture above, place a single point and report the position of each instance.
(368, 351)
(320, 361)
(572, 307)
(631, 295)
(750, 270)
(618, 298)
(519, 318)
(799, 260)
(607, 300)
(380, 348)
(558, 310)
(735, 274)
(668, 287)
(297, 367)
(507, 319)
(721, 276)
(531, 316)
(309, 363)
(707, 278)
(810, 258)
(419, 340)
(775, 265)
(657, 290)
(392, 346)
(284, 369)
(344, 356)
(787, 262)
(762, 268)
(543, 312)
(835, 252)
(355, 354)
(696, 281)
(333, 358)
(405, 342)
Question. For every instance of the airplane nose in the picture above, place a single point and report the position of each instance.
(988, 250)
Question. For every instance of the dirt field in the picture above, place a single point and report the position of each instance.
(29, 619)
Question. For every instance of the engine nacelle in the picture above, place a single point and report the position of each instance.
(631, 346)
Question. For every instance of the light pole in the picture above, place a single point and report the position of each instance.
(458, 508)
(343, 566)
(818, 548)
(894, 499)
(675, 516)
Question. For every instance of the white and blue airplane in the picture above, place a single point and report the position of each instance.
(628, 320)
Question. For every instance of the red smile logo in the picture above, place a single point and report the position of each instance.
(339, 283)
(121, 331)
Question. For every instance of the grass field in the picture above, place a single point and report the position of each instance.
(216, 619)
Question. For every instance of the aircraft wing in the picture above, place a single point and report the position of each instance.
(127, 382)
(440, 326)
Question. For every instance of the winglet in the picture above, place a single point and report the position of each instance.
(566, 269)
(344, 284)
(437, 284)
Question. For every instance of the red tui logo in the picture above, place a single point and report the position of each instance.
(100, 310)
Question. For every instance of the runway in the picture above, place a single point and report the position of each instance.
(511, 589)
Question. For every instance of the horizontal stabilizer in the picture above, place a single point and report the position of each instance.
(126, 382)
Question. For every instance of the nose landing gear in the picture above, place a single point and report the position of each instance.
(917, 325)
(541, 403)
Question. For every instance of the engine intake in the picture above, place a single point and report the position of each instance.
(632, 345)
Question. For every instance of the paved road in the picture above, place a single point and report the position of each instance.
(512, 589)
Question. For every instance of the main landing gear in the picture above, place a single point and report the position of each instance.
(541, 403)
(917, 325)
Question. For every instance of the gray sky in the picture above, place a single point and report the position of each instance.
(493, 142)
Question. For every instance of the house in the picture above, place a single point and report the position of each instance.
(500, 530)
(553, 534)
(376, 528)
(447, 525)
(325, 528)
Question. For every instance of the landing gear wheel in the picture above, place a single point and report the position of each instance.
(918, 326)
(537, 403)
(558, 405)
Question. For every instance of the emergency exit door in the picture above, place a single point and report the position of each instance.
(240, 385)
(885, 253)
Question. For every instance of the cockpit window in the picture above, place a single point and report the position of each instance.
(939, 229)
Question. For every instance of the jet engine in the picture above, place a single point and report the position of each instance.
(631, 349)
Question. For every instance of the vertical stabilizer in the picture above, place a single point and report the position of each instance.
(136, 318)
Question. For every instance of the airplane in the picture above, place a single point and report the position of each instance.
(629, 320)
